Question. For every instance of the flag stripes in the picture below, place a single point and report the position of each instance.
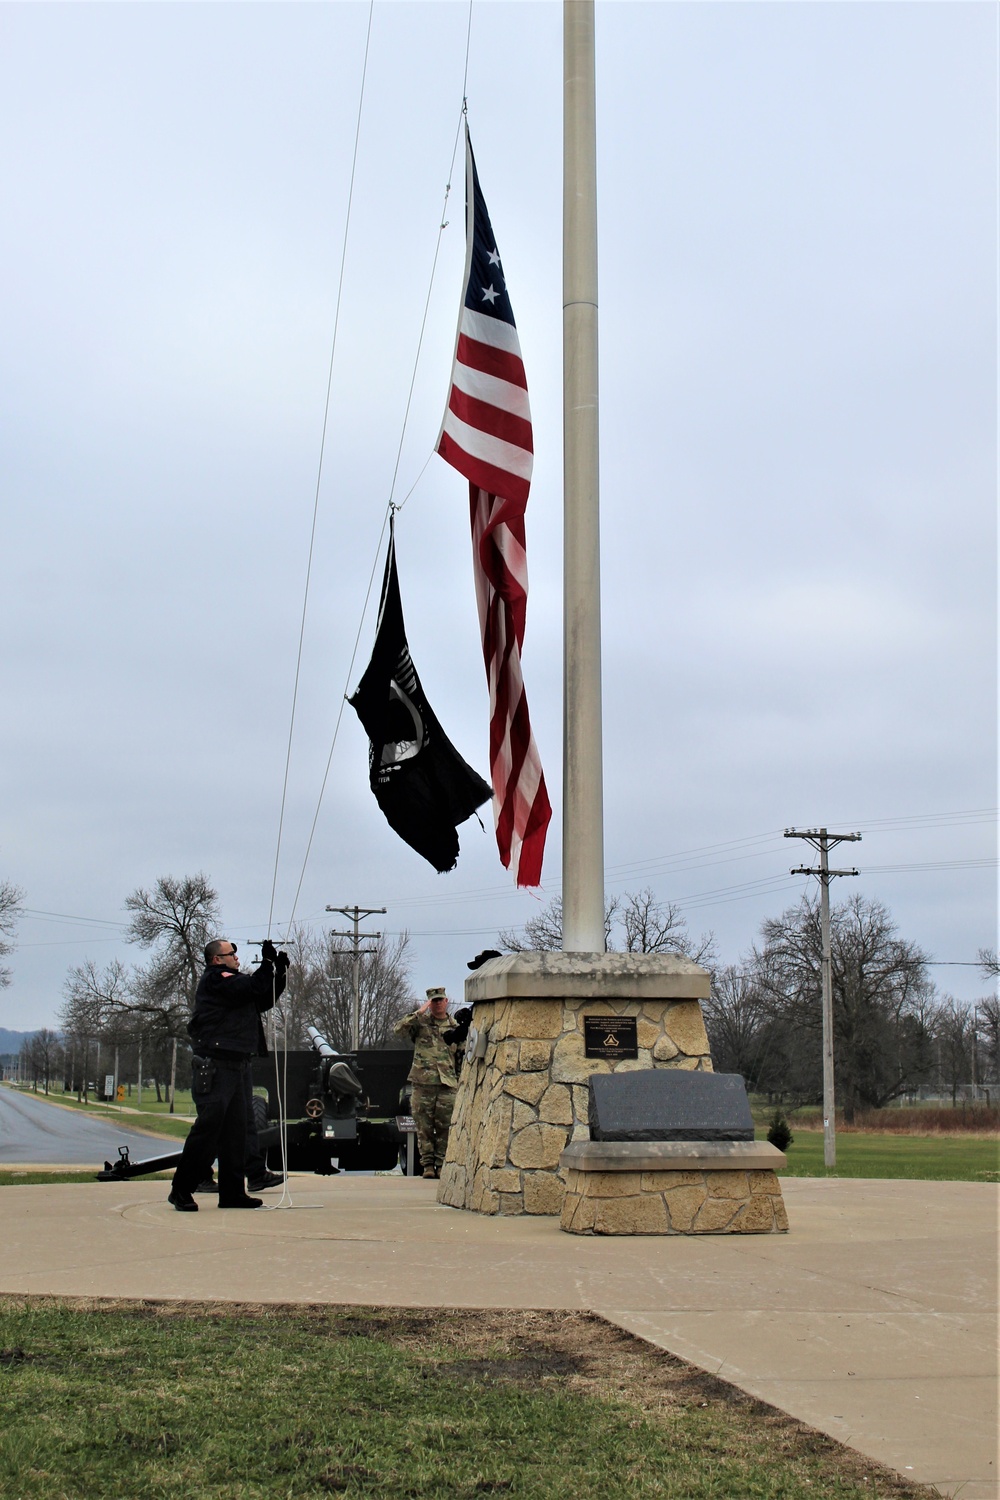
(486, 435)
(482, 358)
(520, 801)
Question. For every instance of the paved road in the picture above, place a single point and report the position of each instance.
(33, 1131)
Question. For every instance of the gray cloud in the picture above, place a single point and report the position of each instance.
(798, 329)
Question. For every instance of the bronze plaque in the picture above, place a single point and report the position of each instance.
(610, 1037)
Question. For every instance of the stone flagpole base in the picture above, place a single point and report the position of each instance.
(524, 1098)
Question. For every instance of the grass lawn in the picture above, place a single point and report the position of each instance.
(174, 1402)
(13, 1178)
(150, 1105)
(936, 1158)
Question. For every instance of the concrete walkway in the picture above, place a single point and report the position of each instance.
(875, 1319)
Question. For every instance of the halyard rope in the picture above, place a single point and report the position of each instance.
(281, 1079)
(319, 466)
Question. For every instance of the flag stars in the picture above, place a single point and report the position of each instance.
(493, 258)
(490, 294)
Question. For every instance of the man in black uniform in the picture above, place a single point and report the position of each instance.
(226, 1033)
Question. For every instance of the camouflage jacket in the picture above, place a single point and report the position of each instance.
(433, 1057)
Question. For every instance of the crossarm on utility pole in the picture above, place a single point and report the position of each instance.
(354, 914)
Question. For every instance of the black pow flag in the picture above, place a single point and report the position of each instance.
(420, 781)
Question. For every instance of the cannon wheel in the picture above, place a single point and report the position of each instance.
(260, 1118)
(262, 1123)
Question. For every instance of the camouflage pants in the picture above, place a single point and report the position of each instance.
(431, 1107)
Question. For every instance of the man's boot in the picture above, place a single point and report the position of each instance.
(264, 1181)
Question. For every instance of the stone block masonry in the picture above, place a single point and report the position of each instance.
(688, 1187)
(526, 1098)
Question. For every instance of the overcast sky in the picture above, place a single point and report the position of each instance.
(798, 255)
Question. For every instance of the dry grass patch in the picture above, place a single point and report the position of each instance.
(936, 1119)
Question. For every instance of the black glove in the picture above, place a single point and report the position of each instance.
(457, 1034)
(282, 961)
(268, 952)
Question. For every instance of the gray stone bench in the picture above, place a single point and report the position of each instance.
(671, 1153)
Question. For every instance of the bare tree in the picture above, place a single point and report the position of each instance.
(989, 963)
(636, 921)
(27, 1063)
(953, 1036)
(41, 1057)
(653, 926)
(320, 989)
(737, 1018)
(10, 909)
(880, 993)
(119, 1007)
(177, 918)
(989, 1023)
(93, 996)
(542, 932)
(385, 989)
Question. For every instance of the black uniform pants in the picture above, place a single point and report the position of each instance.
(219, 1091)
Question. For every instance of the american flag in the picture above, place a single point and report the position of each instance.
(486, 436)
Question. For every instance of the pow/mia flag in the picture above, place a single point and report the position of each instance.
(420, 781)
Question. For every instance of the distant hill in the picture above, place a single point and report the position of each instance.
(10, 1041)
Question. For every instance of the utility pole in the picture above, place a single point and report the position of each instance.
(355, 914)
(824, 841)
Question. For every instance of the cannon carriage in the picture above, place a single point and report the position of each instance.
(340, 1111)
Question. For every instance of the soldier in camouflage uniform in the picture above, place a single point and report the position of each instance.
(433, 1077)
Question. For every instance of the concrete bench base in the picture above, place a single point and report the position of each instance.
(672, 1187)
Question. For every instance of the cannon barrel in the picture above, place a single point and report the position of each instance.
(320, 1043)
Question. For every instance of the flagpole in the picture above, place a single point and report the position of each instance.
(583, 782)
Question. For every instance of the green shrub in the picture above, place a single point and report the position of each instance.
(778, 1132)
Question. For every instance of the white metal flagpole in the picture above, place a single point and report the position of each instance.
(583, 779)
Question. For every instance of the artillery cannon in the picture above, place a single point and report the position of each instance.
(340, 1111)
(341, 1107)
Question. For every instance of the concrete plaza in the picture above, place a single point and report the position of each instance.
(874, 1319)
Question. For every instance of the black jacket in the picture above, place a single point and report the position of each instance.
(227, 1010)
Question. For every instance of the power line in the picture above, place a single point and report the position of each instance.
(688, 858)
(38, 915)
